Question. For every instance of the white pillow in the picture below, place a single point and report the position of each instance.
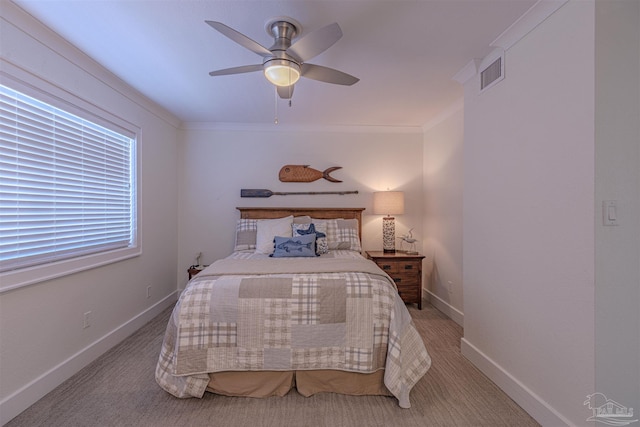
(268, 229)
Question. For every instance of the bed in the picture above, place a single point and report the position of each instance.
(295, 305)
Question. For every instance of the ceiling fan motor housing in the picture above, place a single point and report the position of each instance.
(282, 69)
(282, 32)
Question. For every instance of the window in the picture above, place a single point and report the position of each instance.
(67, 185)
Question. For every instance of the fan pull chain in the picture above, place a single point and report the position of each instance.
(290, 86)
(276, 102)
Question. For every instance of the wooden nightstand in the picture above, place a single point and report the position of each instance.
(193, 271)
(405, 270)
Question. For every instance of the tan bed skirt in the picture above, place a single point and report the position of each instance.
(276, 383)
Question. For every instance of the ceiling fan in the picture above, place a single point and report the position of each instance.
(284, 63)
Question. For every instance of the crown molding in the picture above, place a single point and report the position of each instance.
(533, 17)
(14, 15)
(455, 107)
(266, 127)
(467, 72)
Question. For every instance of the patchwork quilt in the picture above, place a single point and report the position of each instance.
(282, 314)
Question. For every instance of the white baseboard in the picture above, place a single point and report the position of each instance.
(452, 312)
(540, 410)
(17, 402)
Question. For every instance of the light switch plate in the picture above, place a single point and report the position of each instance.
(609, 212)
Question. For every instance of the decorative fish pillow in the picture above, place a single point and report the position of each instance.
(322, 245)
(298, 246)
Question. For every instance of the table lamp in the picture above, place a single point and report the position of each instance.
(388, 203)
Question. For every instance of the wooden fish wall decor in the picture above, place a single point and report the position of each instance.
(303, 173)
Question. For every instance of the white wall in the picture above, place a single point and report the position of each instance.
(529, 159)
(617, 123)
(220, 161)
(43, 341)
(528, 220)
(443, 185)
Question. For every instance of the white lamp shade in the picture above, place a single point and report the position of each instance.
(388, 203)
(281, 72)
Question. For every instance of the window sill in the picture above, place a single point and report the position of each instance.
(15, 279)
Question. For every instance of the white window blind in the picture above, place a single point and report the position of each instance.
(67, 185)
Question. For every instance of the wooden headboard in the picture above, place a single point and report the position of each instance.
(320, 213)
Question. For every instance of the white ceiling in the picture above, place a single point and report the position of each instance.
(404, 52)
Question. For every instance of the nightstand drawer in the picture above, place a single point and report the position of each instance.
(388, 267)
(399, 266)
(405, 279)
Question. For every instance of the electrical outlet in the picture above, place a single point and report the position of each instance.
(87, 320)
(149, 291)
(450, 286)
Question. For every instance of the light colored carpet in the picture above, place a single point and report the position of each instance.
(119, 389)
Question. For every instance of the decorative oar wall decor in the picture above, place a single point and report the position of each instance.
(269, 193)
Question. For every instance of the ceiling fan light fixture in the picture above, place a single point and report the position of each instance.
(282, 72)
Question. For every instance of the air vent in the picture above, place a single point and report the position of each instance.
(492, 74)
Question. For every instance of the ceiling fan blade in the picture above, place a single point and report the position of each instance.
(240, 38)
(237, 70)
(316, 42)
(327, 75)
(285, 92)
